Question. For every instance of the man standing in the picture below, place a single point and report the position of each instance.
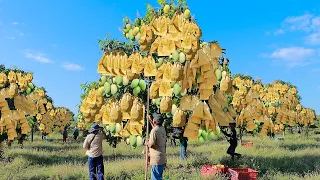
(75, 133)
(65, 135)
(157, 146)
(183, 147)
(93, 145)
(233, 141)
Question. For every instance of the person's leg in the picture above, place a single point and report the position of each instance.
(160, 170)
(237, 154)
(92, 168)
(157, 172)
(185, 150)
(230, 151)
(100, 167)
(182, 152)
(153, 172)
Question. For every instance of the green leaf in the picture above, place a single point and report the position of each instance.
(161, 2)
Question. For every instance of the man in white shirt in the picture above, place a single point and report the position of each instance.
(157, 146)
(93, 145)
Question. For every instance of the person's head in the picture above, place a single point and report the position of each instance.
(94, 128)
(232, 125)
(157, 119)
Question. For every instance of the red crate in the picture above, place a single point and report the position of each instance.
(209, 172)
(244, 174)
(247, 144)
(234, 175)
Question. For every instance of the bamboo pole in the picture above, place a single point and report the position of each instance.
(147, 132)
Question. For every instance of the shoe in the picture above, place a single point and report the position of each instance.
(180, 166)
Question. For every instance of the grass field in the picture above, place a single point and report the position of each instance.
(294, 158)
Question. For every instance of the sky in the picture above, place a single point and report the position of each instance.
(58, 40)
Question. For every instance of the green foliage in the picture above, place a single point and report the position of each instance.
(2, 67)
(126, 20)
(182, 3)
(258, 81)
(229, 99)
(109, 44)
(149, 14)
(86, 87)
(242, 76)
(161, 2)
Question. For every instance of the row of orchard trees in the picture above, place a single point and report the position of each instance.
(189, 83)
(23, 107)
(269, 108)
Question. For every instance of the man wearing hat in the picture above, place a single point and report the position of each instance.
(233, 140)
(93, 145)
(157, 146)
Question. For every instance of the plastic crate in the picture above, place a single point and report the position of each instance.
(247, 144)
(243, 174)
(210, 172)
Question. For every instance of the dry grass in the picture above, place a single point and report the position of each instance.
(294, 158)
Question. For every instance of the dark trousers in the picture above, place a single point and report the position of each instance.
(231, 150)
(96, 168)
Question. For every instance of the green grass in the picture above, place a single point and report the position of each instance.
(294, 158)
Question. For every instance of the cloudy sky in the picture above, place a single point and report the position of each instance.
(57, 40)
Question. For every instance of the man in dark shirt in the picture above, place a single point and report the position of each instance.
(183, 147)
(65, 135)
(233, 140)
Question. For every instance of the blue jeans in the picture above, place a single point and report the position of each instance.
(96, 168)
(183, 152)
(156, 172)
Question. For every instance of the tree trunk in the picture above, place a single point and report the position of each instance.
(32, 133)
(241, 133)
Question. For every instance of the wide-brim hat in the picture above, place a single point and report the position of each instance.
(94, 127)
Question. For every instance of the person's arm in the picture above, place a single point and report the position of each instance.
(104, 135)
(225, 133)
(152, 140)
(86, 144)
(151, 122)
(234, 134)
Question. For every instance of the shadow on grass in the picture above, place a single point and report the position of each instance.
(68, 159)
(54, 148)
(118, 157)
(34, 159)
(295, 147)
(284, 164)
